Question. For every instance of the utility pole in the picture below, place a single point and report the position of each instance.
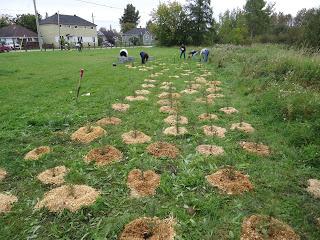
(59, 34)
(92, 18)
(37, 22)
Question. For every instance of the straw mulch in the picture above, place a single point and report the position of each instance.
(214, 131)
(6, 202)
(108, 121)
(215, 95)
(135, 137)
(104, 155)
(210, 150)
(168, 109)
(243, 126)
(207, 116)
(169, 95)
(172, 120)
(150, 80)
(229, 110)
(142, 92)
(3, 174)
(148, 85)
(53, 176)
(88, 134)
(163, 149)
(167, 102)
(257, 148)
(136, 98)
(189, 91)
(37, 153)
(121, 107)
(314, 187)
(173, 131)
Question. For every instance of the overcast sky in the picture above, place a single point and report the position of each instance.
(105, 16)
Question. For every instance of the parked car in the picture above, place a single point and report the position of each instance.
(4, 48)
(13, 46)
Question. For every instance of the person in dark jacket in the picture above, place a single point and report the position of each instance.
(144, 57)
(183, 50)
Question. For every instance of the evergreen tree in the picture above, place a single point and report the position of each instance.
(130, 18)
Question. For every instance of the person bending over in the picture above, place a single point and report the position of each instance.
(123, 53)
(144, 57)
(205, 54)
(193, 53)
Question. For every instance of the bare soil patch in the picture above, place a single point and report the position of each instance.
(3, 174)
(214, 131)
(163, 149)
(210, 150)
(257, 148)
(108, 121)
(258, 227)
(207, 116)
(136, 98)
(135, 137)
(54, 176)
(149, 228)
(142, 92)
(88, 134)
(243, 126)
(143, 184)
(121, 107)
(37, 153)
(6, 202)
(314, 187)
(104, 155)
(229, 110)
(172, 120)
(173, 131)
(167, 109)
(230, 181)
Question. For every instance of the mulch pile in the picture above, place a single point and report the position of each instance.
(108, 121)
(229, 110)
(169, 95)
(214, 83)
(149, 229)
(166, 102)
(136, 98)
(207, 116)
(71, 197)
(172, 120)
(6, 202)
(243, 126)
(163, 149)
(215, 95)
(167, 109)
(143, 184)
(148, 85)
(257, 148)
(230, 181)
(210, 150)
(121, 107)
(189, 91)
(213, 89)
(142, 92)
(104, 155)
(214, 131)
(37, 153)
(203, 100)
(196, 86)
(3, 174)
(87, 134)
(150, 80)
(314, 187)
(54, 176)
(173, 131)
(258, 227)
(200, 80)
(135, 137)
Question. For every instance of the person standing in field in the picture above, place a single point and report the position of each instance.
(204, 54)
(144, 57)
(183, 50)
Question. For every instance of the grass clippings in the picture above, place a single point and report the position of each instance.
(169, 95)
(53, 176)
(149, 229)
(146, 85)
(258, 227)
(230, 181)
(3, 174)
(172, 120)
(257, 148)
(207, 116)
(229, 110)
(173, 131)
(314, 187)
(214, 131)
(88, 134)
(143, 184)
(135, 137)
(210, 150)
(121, 107)
(142, 92)
(168, 109)
(108, 121)
(136, 98)
(6, 202)
(163, 149)
(104, 155)
(71, 197)
(37, 153)
(243, 126)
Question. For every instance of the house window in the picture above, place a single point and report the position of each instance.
(93, 39)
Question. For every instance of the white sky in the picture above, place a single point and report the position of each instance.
(105, 16)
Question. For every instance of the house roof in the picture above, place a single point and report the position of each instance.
(109, 34)
(66, 20)
(16, 31)
(136, 31)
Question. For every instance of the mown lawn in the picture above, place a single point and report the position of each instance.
(37, 101)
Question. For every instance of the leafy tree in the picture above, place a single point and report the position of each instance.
(27, 21)
(5, 20)
(312, 29)
(130, 18)
(200, 14)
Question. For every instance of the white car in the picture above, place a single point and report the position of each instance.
(13, 46)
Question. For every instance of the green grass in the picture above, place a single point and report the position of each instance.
(38, 98)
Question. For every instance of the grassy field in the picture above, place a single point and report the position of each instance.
(275, 89)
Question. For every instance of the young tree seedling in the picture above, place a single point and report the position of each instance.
(79, 84)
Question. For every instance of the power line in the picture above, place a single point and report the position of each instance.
(97, 4)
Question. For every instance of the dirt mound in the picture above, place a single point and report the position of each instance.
(71, 197)
(146, 85)
(172, 120)
(109, 121)
(121, 107)
(150, 80)
(215, 95)
(136, 98)
(3, 174)
(149, 228)
(189, 91)
(104, 155)
(37, 153)
(163, 149)
(87, 134)
(229, 110)
(173, 131)
(207, 116)
(243, 126)
(166, 102)
(257, 148)
(214, 131)
(54, 176)
(314, 187)
(135, 137)
(167, 109)
(210, 150)
(142, 92)
(258, 227)
(6, 202)
(230, 181)
(143, 184)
